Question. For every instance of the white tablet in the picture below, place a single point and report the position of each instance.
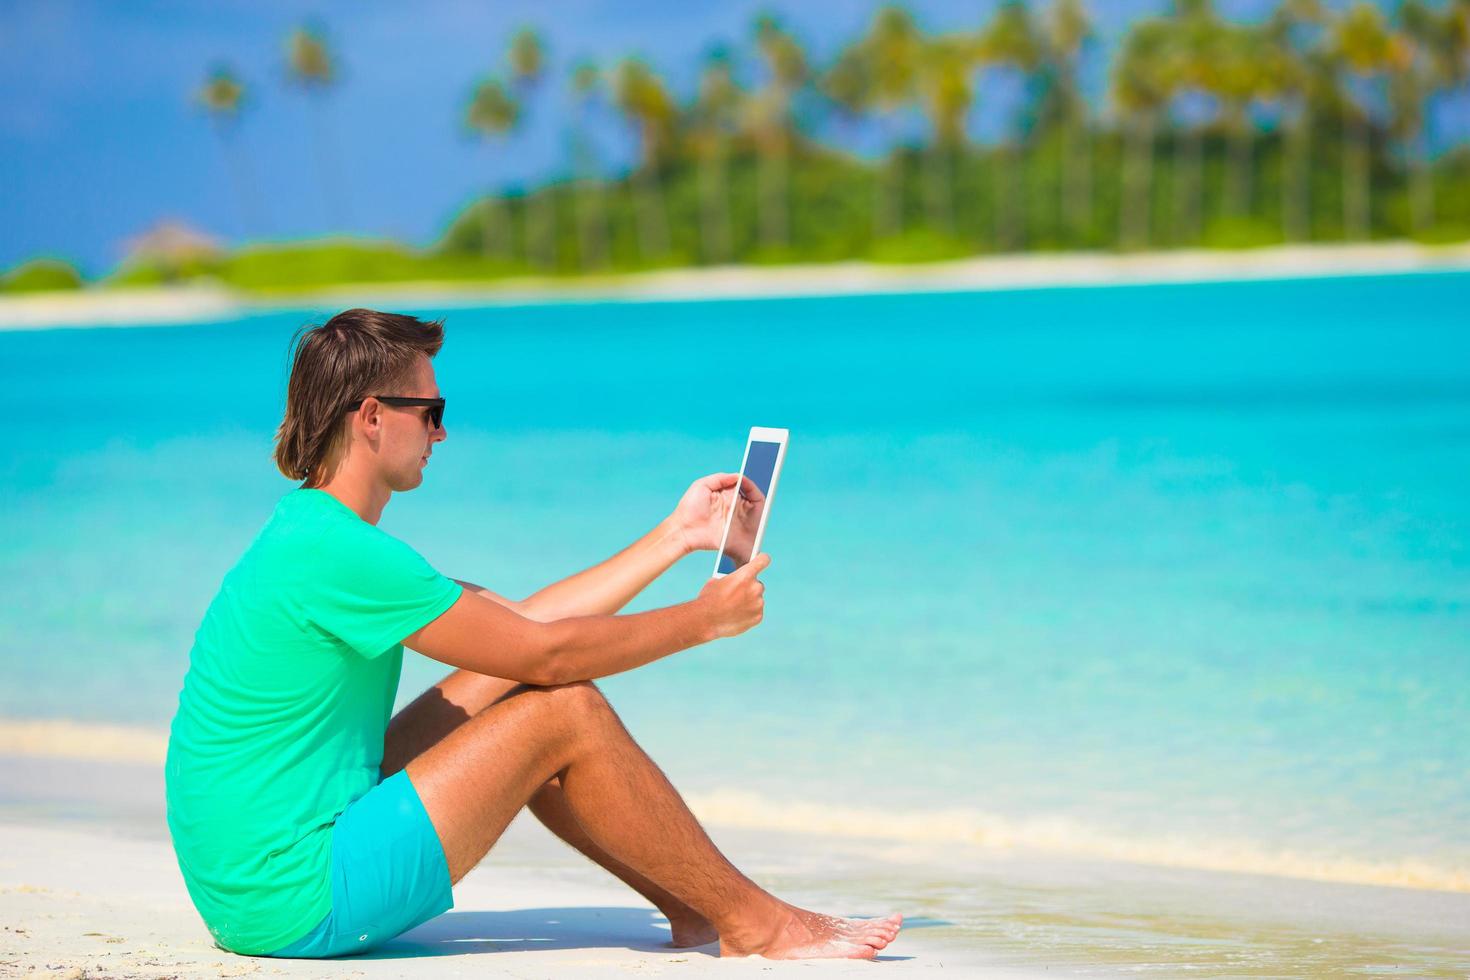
(746, 523)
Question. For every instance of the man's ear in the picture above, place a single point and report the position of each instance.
(369, 413)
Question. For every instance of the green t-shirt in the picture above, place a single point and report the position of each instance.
(282, 714)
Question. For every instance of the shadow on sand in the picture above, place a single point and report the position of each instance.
(520, 930)
(588, 927)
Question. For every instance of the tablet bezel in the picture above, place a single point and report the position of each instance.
(757, 434)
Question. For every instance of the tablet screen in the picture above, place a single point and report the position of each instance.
(750, 504)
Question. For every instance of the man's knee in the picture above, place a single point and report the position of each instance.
(582, 699)
(582, 695)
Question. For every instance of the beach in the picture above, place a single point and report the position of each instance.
(196, 302)
(88, 883)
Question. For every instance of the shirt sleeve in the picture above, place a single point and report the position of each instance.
(370, 590)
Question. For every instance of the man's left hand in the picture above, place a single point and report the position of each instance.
(700, 515)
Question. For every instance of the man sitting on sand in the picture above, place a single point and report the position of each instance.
(307, 824)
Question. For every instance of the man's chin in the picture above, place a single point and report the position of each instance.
(408, 481)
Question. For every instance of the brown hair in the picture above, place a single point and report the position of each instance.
(355, 354)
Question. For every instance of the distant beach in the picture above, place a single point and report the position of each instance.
(199, 302)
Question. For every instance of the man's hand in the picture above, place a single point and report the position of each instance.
(700, 515)
(749, 506)
(737, 602)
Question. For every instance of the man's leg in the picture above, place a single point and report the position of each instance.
(476, 778)
(453, 701)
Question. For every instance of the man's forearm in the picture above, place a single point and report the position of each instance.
(585, 648)
(608, 586)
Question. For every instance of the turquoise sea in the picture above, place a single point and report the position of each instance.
(1170, 573)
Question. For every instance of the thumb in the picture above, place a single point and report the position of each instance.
(757, 564)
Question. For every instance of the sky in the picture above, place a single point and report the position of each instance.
(100, 136)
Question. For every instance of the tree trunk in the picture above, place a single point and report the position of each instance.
(1240, 169)
(589, 210)
(1136, 179)
(888, 190)
(653, 224)
(773, 196)
(1189, 187)
(714, 206)
(1421, 189)
(1065, 194)
(1082, 204)
(1296, 188)
(591, 223)
(1356, 175)
(1006, 204)
(487, 225)
(541, 228)
(941, 211)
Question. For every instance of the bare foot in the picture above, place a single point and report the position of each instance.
(690, 929)
(802, 935)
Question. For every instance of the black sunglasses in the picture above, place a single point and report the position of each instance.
(436, 405)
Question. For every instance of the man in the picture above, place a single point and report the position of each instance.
(309, 824)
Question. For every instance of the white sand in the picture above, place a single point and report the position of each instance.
(88, 883)
(75, 897)
(202, 302)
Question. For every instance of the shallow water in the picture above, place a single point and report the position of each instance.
(1169, 573)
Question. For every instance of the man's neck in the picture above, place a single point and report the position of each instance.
(363, 497)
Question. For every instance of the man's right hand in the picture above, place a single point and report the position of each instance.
(737, 601)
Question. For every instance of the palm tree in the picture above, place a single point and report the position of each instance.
(527, 58)
(1140, 88)
(1010, 39)
(1241, 74)
(223, 97)
(849, 89)
(1187, 69)
(944, 81)
(1425, 60)
(1298, 56)
(1364, 47)
(586, 83)
(1068, 29)
(645, 103)
(713, 124)
(492, 113)
(891, 51)
(311, 67)
(786, 72)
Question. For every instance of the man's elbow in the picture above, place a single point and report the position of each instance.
(551, 662)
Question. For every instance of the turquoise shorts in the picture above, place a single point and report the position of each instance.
(388, 873)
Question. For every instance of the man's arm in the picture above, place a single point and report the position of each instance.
(604, 588)
(608, 586)
(479, 634)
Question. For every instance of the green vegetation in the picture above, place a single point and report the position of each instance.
(40, 275)
(1308, 125)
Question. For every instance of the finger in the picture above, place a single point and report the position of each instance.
(752, 568)
(719, 481)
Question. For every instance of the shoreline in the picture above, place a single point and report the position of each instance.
(123, 307)
(100, 894)
(27, 745)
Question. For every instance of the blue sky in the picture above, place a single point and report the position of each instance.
(101, 139)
